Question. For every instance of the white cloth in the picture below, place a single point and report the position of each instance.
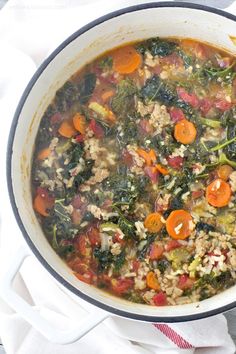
(29, 30)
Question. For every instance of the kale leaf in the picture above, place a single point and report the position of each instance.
(146, 244)
(86, 87)
(156, 89)
(66, 96)
(157, 47)
(104, 258)
(123, 101)
(202, 226)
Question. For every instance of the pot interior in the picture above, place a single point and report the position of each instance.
(136, 23)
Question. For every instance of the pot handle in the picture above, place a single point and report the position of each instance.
(32, 316)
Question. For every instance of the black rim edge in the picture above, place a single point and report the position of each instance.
(11, 138)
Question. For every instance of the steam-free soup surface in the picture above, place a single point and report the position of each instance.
(134, 172)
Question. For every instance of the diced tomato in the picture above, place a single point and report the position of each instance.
(160, 299)
(190, 98)
(76, 201)
(56, 118)
(122, 285)
(107, 204)
(79, 138)
(81, 245)
(172, 59)
(197, 194)
(156, 251)
(127, 158)
(117, 238)
(175, 162)
(205, 105)
(94, 236)
(78, 266)
(176, 114)
(171, 245)
(201, 51)
(136, 265)
(86, 277)
(222, 104)
(97, 129)
(152, 173)
(145, 127)
(76, 216)
(185, 282)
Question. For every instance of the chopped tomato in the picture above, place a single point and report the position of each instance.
(172, 59)
(135, 265)
(94, 236)
(175, 162)
(56, 118)
(79, 138)
(76, 216)
(160, 299)
(185, 282)
(176, 114)
(152, 173)
(222, 104)
(97, 129)
(190, 98)
(127, 158)
(171, 245)
(118, 238)
(145, 127)
(197, 194)
(205, 105)
(76, 201)
(156, 251)
(122, 285)
(81, 245)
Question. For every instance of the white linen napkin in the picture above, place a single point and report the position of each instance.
(28, 32)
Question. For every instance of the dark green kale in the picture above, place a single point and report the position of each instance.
(202, 226)
(218, 282)
(104, 258)
(216, 73)
(106, 63)
(230, 121)
(119, 261)
(86, 87)
(156, 89)
(66, 96)
(65, 251)
(127, 227)
(187, 60)
(157, 47)
(130, 132)
(162, 265)
(123, 101)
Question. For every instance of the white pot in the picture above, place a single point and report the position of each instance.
(134, 23)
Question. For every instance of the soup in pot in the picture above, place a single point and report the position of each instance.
(134, 172)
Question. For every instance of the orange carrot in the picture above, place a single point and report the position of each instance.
(67, 129)
(126, 60)
(79, 122)
(162, 169)
(185, 131)
(153, 222)
(43, 154)
(218, 193)
(152, 281)
(224, 171)
(149, 157)
(107, 94)
(42, 205)
(179, 224)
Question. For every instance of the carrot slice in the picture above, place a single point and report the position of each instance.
(149, 157)
(162, 170)
(152, 281)
(41, 205)
(185, 132)
(43, 154)
(224, 171)
(107, 94)
(67, 129)
(179, 224)
(126, 60)
(79, 122)
(153, 222)
(218, 193)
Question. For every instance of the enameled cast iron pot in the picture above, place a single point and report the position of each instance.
(130, 24)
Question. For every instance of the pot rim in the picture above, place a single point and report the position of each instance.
(9, 154)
